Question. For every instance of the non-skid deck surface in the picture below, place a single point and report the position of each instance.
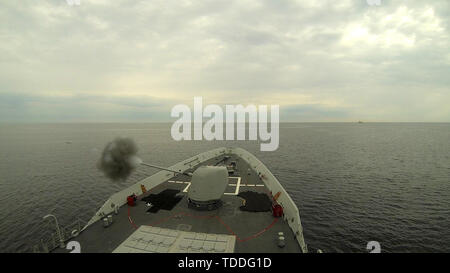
(253, 231)
(255, 201)
(166, 200)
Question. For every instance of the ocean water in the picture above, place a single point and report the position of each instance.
(353, 183)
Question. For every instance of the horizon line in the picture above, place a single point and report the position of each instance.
(143, 122)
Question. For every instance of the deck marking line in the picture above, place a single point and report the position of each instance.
(129, 219)
(237, 186)
(187, 187)
(216, 217)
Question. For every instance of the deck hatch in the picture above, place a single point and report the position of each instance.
(147, 239)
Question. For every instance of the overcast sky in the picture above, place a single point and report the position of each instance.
(129, 60)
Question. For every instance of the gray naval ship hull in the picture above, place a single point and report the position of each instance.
(182, 229)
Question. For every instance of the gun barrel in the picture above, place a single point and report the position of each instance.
(164, 169)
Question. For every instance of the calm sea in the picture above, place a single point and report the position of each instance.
(353, 183)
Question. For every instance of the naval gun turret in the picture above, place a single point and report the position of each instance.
(208, 184)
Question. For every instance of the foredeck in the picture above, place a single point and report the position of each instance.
(254, 231)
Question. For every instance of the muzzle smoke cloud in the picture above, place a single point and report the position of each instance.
(119, 159)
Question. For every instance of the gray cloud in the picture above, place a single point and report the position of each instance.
(320, 60)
